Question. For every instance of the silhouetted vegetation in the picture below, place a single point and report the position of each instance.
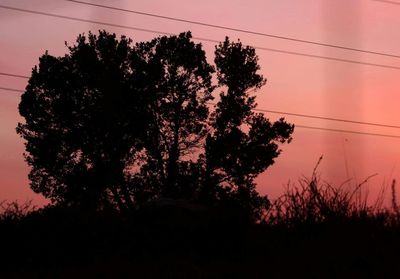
(147, 179)
(112, 124)
(313, 202)
(313, 231)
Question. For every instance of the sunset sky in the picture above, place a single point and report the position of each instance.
(296, 84)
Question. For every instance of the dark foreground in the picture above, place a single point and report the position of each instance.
(171, 243)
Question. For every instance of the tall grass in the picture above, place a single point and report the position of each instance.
(314, 201)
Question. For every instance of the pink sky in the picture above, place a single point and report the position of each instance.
(295, 84)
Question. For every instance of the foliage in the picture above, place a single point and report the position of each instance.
(83, 119)
(314, 202)
(14, 211)
(116, 124)
(242, 144)
(178, 85)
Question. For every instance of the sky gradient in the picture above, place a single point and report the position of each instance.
(295, 84)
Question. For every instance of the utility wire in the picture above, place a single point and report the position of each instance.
(324, 118)
(388, 2)
(278, 112)
(236, 29)
(13, 75)
(83, 20)
(296, 126)
(328, 58)
(199, 38)
(347, 131)
(12, 89)
(329, 118)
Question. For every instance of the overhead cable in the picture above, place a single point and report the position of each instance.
(237, 29)
(200, 38)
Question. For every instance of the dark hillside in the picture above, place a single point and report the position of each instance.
(175, 241)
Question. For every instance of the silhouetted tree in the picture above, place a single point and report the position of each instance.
(243, 144)
(178, 85)
(84, 119)
(111, 123)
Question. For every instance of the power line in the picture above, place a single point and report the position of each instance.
(329, 118)
(339, 130)
(297, 126)
(388, 2)
(347, 131)
(236, 29)
(200, 38)
(325, 118)
(330, 58)
(83, 20)
(12, 89)
(279, 112)
(13, 75)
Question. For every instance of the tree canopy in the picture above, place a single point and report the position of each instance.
(113, 123)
